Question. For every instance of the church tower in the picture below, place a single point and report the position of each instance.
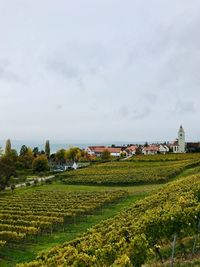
(181, 140)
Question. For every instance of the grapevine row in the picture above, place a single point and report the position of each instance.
(129, 238)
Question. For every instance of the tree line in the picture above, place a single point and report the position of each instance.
(35, 160)
(28, 159)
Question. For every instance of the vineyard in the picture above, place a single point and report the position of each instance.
(133, 171)
(25, 216)
(164, 227)
(167, 219)
(164, 157)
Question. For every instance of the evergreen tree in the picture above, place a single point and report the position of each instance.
(47, 149)
(146, 144)
(36, 151)
(23, 150)
(8, 147)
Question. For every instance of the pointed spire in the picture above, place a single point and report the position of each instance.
(181, 128)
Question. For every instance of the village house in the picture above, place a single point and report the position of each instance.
(98, 151)
(163, 149)
(115, 151)
(178, 146)
(174, 146)
(150, 150)
(95, 150)
(131, 150)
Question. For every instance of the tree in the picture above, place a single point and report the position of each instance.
(8, 147)
(106, 155)
(138, 150)
(61, 156)
(36, 151)
(53, 157)
(6, 172)
(47, 149)
(26, 158)
(146, 144)
(73, 154)
(23, 150)
(10, 158)
(40, 164)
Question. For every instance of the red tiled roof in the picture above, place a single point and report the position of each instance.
(94, 147)
(97, 149)
(100, 149)
(114, 149)
(151, 148)
(132, 148)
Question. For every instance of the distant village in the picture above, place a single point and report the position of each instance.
(177, 146)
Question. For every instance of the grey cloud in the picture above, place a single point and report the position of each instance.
(181, 56)
(67, 70)
(6, 73)
(59, 106)
(124, 111)
(149, 98)
(134, 113)
(141, 113)
(102, 69)
(184, 107)
(91, 56)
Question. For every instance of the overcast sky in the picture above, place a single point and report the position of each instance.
(99, 70)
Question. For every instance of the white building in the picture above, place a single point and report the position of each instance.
(163, 149)
(179, 146)
(98, 151)
(131, 150)
(174, 146)
(181, 140)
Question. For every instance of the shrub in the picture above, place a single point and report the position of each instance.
(40, 164)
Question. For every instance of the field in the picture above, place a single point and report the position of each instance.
(29, 248)
(165, 157)
(137, 170)
(30, 214)
(101, 223)
(127, 239)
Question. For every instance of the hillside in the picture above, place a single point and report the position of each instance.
(151, 218)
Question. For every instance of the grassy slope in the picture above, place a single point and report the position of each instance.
(26, 253)
(130, 173)
(22, 253)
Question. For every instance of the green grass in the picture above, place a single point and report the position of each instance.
(187, 172)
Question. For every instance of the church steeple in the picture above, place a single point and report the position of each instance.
(181, 140)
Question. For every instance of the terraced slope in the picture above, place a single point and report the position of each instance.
(23, 216)
(137, 234)
(131, 172)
